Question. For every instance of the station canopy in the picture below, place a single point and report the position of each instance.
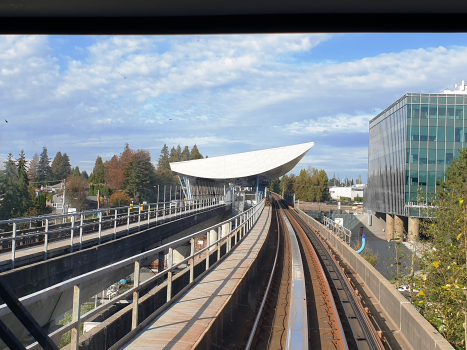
(265, 165)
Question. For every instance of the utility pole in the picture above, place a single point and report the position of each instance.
(98, 194)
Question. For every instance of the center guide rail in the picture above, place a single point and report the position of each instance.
(310, 238)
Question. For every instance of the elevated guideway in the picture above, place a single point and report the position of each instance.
(165, 228)
(223, 235)
(201, 314)
(65, 233)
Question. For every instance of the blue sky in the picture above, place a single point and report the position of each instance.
(89, 95)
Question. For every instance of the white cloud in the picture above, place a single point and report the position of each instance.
(224, 93)
(341, 124)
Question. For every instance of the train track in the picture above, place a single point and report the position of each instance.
(27, 238)
(312, 305)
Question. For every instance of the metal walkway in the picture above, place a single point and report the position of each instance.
(184, 325)
(44, 251)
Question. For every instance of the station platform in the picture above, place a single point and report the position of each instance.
(189, 319)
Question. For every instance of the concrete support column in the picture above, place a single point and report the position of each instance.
(212, 238)
(398, 228)
(257, 189)
(414, 225)
(389, 227)
(180, 253)
(225, 230)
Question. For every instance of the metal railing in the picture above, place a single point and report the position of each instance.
(76, 225)
(340, 231)
(236, 227)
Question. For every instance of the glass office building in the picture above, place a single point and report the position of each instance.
(412, 143)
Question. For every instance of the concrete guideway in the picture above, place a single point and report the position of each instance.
(402, 322)
(229, 232)
(77, 240)
(187, 323)
(30, 279)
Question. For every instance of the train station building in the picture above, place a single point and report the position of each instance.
(412, 142)
(242, 177)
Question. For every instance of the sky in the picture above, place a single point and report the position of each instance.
(89, 95)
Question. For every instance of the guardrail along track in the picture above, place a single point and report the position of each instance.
(359, 330)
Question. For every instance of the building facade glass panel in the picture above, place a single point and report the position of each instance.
(411, 144)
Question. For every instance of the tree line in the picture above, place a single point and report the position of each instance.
(129, 175)
(311, 185)
(133, 175)
(346, 182)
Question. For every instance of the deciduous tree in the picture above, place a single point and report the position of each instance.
(119, 198)
(76, 191)
(33, 165)
(441, 282)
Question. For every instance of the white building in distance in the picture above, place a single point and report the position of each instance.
(351, 192)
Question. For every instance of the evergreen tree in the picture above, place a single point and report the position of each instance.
(140, 175)
(85, 174)
(163, 163)
(44, 172)
(22, 184)
(179, 153)
(67, 169)
(195, 154)
(8, 190)
(275, 186)
(286, 184)
(98, 172)
(76, 171)
(359, 180)
(301, 186)
(185, 154)
(33, 165)
(173, 157)
(322, 189)
(58, 167)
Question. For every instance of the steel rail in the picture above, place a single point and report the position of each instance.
(297, 323)
(339, 340)
(373, 340)
(266, 293)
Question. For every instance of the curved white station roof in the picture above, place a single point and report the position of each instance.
(274, 162)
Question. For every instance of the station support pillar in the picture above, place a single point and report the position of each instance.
(180, 253)
(212, 238)
(398, 228)
(257, 189)
(389, 227)
(225, 230)
(414, 226)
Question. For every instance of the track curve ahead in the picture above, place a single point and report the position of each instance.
(311, 303)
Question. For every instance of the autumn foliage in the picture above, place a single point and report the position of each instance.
(119, 198)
